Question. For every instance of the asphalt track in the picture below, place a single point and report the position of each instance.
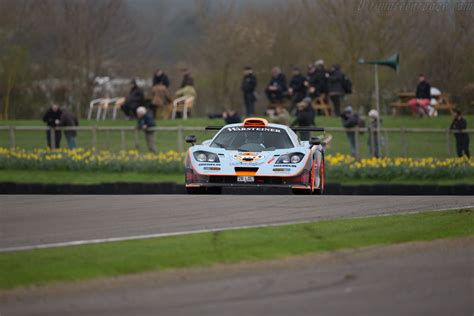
(434, 278)
(29, 221)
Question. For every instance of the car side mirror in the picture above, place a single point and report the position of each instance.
(191, 139)
(315, 141)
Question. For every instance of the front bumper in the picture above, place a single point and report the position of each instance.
(302, 181)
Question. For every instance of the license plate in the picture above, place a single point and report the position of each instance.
(245, 179)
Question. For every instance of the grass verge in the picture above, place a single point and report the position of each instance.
(38, 267)
(75, 177)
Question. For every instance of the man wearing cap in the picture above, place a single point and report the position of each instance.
(420, 104)
(350, 120)
(249, 84)
(318, 80)
(146, 123)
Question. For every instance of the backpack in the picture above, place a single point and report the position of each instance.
(347, 85)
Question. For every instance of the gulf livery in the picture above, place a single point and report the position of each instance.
(256, 154)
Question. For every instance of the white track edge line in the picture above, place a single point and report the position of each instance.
(210, 230)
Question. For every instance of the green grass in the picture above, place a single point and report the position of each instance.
(74, 177)
(38, 267)
(418, 145)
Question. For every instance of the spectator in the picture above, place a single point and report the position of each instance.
(160, 101)
(135, 99)
(186, 77)
(185, 97)
(161, 78)
(249, 84)
(297, 89)
(420, 104)
(305, 116)
(350, 120)
(231, 117)
(146, 123)
(336, 88)
(462, 138)
(318, 80)
(280, 116)
(68, 119)
(373, 142)
(52, 118)
(276, 88)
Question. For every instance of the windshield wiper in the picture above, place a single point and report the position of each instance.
(220, 145)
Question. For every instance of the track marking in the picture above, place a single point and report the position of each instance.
(210, 230)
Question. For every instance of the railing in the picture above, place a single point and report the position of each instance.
(395, 141)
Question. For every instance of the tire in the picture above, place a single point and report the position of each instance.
(195, 190)
(301, 191)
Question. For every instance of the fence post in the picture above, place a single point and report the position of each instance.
(94, 138)
(448, 142)
(403, 142)
(12, 137)
(135, 139)
(122, 139)
(52, 134)
(180, 139)
(386, 144)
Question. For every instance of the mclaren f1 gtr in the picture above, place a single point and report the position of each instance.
(256, 154)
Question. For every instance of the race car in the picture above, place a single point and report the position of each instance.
(256, 154)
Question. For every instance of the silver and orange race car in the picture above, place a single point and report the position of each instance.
(256, 154)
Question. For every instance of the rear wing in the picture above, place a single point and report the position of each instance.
(307, 129)
(213, 128)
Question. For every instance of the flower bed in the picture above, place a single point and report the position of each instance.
(338, 166)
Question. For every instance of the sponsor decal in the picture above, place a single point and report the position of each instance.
(208, 164)
(254, 129)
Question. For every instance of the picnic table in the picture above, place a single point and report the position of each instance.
(443, 102)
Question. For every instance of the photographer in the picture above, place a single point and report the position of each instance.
(350, 120)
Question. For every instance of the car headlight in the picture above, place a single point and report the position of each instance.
(204, 156)
(290, 158)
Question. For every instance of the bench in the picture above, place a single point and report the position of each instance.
(321, 104)
(443, 102)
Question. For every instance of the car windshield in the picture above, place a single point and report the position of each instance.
(252, 139)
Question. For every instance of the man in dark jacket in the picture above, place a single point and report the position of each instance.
(161, 78)
(249, 84)
(68, 119)
(146, 122)
(277, 87)
(462, 138)
(297, 89)
(336, 88)
(135, 99)
(318, 80)
(52, 118)
(350, 120)
(305, 116)
(420, 104)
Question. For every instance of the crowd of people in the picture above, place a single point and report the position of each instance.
(289, 103)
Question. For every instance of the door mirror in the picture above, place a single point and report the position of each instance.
(315, 141)
(191, 139)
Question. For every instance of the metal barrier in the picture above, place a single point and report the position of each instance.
(430, 140)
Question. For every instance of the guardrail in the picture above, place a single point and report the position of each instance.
(404, 134)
